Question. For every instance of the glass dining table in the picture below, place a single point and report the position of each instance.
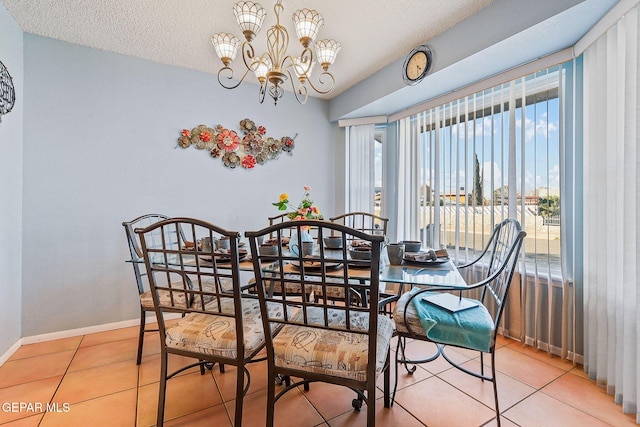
(393, 279)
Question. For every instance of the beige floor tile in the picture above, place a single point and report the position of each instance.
(330, 400)
(104, 354)
(110, 336)
(583, 395)
(510, 390)
(542, 355)
(117, 410)
(416, 350)
(385, 417)
(150, 367)
(227, 381)
(34, 368)
(438, 404)
(541, 410)
(527, 369)
(99, 381)
(291, 409)
(215, 416)
(186, 394)
(38, 393)
(41, 348)
(32, 421)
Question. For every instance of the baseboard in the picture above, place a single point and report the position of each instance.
(79, 331)
(7, 354)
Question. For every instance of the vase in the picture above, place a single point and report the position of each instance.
(294, 245)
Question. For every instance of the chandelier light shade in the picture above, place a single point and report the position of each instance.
(226, 46)
(249, 16)
(327, 51)
(307, 23)
(275, 66)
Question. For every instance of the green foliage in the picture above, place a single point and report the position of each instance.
(549, 206)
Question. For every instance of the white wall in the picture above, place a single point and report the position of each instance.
(100, 138)
(11, 187)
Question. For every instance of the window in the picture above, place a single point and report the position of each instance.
(486, 157)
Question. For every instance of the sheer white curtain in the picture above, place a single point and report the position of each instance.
(611, 211)
(360, 169)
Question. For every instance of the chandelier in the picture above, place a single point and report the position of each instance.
(275, 66)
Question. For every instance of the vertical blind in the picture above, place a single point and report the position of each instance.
(468, 164)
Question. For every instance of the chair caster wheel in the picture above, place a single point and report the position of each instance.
(357, 404)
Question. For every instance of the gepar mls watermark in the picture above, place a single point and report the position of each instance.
(35, 407)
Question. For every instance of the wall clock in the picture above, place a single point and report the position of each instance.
(417, 65)
(7, 92)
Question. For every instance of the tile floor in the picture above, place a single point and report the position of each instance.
(92, 380)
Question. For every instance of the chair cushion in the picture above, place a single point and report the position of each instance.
(215, 335)
(471, 328)
(146, 299)
(330, 352)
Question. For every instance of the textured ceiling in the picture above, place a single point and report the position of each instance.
(373, 33)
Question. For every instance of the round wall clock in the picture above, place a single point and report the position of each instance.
(417, 65)
(7, 92)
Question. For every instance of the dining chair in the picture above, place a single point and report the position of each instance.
(363, 221)
(321, 340)
(473, 327)
(220, 323)
(371, 224)
(135, 250)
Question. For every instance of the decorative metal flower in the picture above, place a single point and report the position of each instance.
(228, 140)
(201, 136)
(247, 125)
(248, 162)
(274, 148)
(287, 144)
(231, 160)
(253, 143)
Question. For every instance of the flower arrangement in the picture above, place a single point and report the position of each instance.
(305, 209)
(254, 148)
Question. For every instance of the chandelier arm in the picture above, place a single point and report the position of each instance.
(300, 92)
(248, 54)
(229, 77)
(322, 83)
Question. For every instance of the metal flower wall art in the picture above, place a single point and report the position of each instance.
(249, 148)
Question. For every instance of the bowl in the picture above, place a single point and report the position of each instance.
(360, 253)
(412, 245)
(269, 250)
(333, 242)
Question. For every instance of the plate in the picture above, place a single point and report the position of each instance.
(410, 259)
(317, 265)
(225, 256)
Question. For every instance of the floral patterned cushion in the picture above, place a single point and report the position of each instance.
(412, 316)
(146, 299)
(337, 353)
(216, 334)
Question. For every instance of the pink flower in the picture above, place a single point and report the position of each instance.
(307, 188)
(303, 211)
(248, 162)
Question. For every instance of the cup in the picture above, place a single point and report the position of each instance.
(224, 243)
(206, 244)
(307, 248)
(395, 251)
(333, 242)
